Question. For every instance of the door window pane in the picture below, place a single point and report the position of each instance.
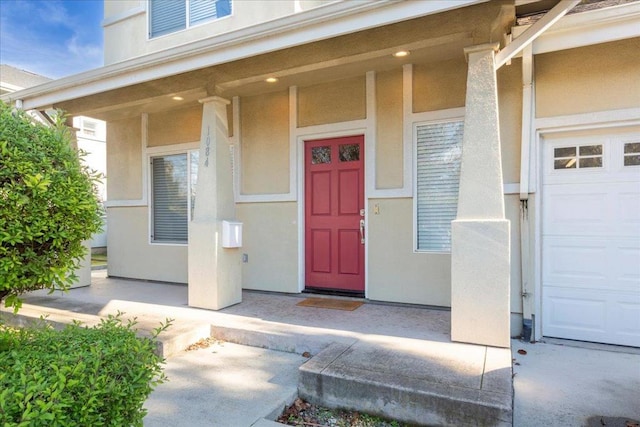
(320, 155)
(349, 152)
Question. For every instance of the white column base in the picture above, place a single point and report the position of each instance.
(215, 280)
(480, 289)
(84, 272)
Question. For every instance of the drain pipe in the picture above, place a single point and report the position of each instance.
(528, 107)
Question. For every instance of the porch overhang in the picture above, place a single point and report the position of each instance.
(332, 20)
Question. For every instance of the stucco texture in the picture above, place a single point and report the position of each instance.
(264, 143)
(132, 256)
(270, 239)
(395, 272)
(337, 101)
(389, 155)
(573, 81)
(124, 159)
(175, 126)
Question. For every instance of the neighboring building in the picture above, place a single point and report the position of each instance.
(91, 135)
(346, 160)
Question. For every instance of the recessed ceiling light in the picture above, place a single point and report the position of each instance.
(401, 53)
(271, 80)
(177, 98)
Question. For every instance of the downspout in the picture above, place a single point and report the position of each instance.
(528, 107)
(523, 43)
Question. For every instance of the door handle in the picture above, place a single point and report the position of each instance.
(362, 231)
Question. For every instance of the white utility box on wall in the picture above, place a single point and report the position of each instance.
(231, 234)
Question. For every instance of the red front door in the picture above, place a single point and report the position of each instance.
(334, 208)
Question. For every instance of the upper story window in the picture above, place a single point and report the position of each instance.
(168, 16)
(88, 127)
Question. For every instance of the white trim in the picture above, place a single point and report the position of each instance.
(291, 196)
(300, 141)
(167, 150)
(440, 116)
(188, 26)
(611, 118)
(143, 200)
(173, 148)
(10, 87)
(511, 188)
(331, 20)
(293, 143)
(236, 141)
(528, 115)
(589, 28)
(370, 160)
(434, 116)
(125, 203)
(533, 32)
(134, 11)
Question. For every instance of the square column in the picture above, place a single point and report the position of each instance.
(480, 243)
(214, 271)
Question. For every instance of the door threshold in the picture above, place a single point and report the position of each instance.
(334, 292)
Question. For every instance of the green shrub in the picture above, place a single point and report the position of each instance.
(47, 206)
(99, 376)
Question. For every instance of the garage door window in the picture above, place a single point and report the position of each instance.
(577, 157)
(632, 154)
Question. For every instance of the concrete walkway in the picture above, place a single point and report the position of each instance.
(558, 384)
(355, 355)
(224, 385)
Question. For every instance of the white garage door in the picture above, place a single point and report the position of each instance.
(591, 238)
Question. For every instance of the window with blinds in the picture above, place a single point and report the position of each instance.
(168, 16)
(173, 180)
(438, 153)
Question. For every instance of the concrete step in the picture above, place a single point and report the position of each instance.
(169, 343)
(427, 386)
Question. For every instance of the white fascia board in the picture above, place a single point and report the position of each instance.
(589, 28)
(332, 20)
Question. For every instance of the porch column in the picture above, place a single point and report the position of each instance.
(214, 271)
(480, 301)
(83, 272)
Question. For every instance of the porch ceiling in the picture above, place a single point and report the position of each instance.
(429, 39)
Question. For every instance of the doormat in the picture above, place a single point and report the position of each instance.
(334, 304)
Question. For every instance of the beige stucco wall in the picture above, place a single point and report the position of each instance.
(439, 85)
(270, 239)
(113, 8)
(588, 79)
(130, 253)
(510, 104)
(124, 159)
(175, 126)
(389, 155)
(128, 38)
(264, 127)
(332, 102)
(395, 272)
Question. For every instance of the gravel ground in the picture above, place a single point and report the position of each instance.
(302, 413)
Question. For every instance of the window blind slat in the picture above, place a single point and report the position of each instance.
(438, 152)
(167, 16)
(170, 198)
(201, 10)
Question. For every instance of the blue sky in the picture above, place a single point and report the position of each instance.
(54, 38)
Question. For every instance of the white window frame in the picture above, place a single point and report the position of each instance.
(83, 127)
(187, 20)
(153, 153)
(445, 116)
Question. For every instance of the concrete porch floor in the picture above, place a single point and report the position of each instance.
(395, 361)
